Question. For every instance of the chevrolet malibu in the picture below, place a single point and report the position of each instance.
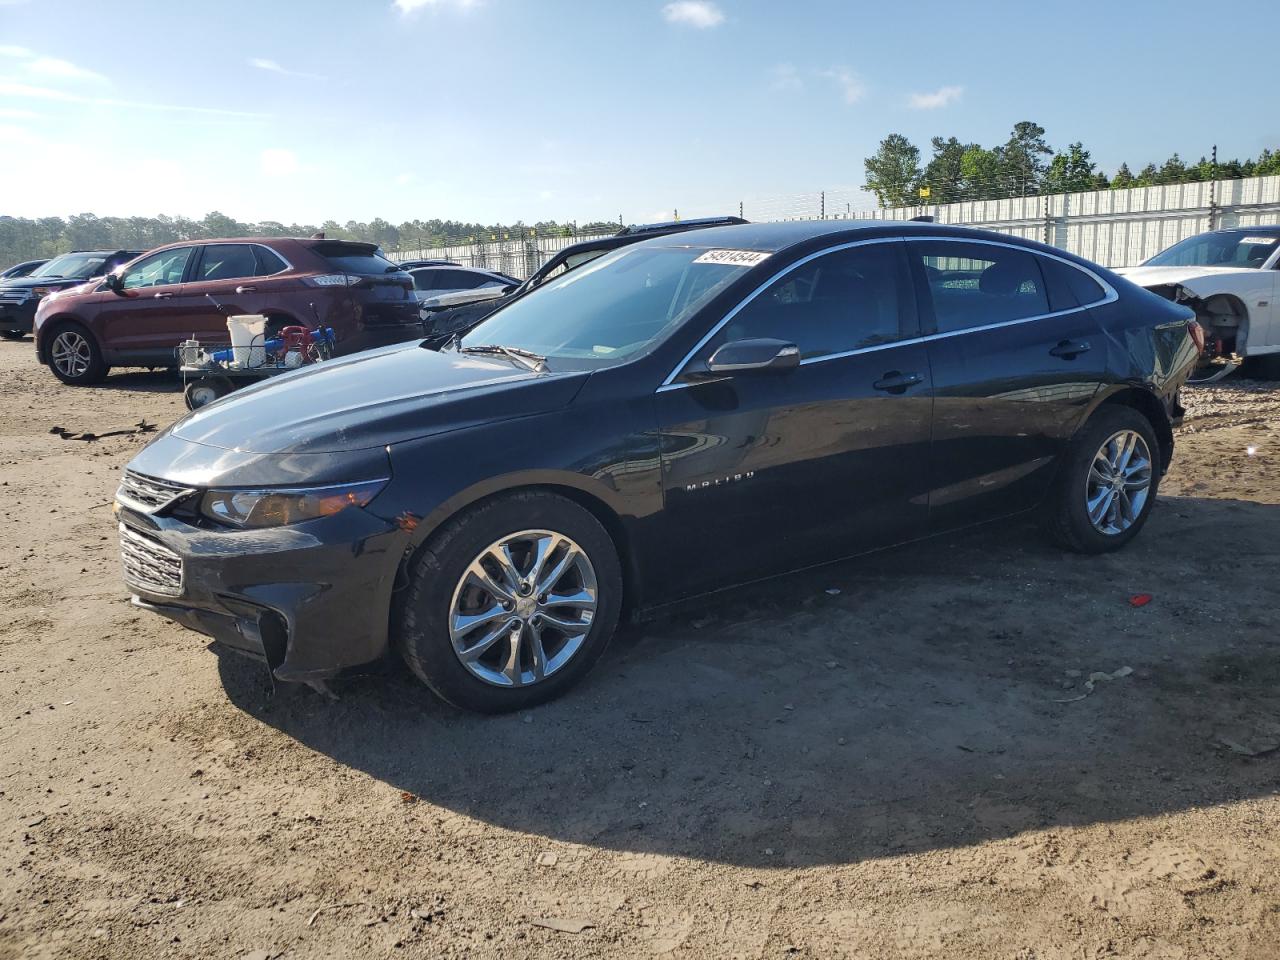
(683, 414)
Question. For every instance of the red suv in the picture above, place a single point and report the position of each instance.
(136, 316)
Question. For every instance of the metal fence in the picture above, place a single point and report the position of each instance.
(1112, 227)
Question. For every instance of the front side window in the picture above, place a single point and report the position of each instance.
(846, 300)
(70, 266)
(227, 261)
(612, 309)
(1243, 248)
(978, 284)
(158, 270)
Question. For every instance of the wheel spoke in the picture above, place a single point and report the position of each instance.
(570, 628)
(477, 650)
(479, 576)
(537, 654)
(1099, 508)
(464, 623)
(582, 599)
(510, 571)
(511, 668)
(543, 548)
(1131, 441)
(547, 583)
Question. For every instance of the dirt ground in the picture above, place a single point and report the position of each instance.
(913, 766)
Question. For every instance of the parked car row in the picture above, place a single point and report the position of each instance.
(22, 292)
(692, 411)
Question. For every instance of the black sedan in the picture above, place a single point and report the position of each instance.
(683, 414)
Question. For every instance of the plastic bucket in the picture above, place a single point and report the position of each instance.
(248, 340)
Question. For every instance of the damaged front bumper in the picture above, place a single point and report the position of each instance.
(312, 600)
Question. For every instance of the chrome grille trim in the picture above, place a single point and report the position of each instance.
(149, 494)
(148, 564)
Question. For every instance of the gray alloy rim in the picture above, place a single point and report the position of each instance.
(71, 355)
(1119, 483)
(523, 608)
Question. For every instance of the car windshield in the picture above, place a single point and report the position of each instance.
(612, 309)
(1226, 248)
(72, 266)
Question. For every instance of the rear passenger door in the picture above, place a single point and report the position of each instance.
(230, 279)
(768, 471)
(1016, 360)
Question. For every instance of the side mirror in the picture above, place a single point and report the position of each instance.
(114, 283)
(744, 356)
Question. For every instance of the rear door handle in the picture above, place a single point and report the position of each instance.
(246, 289)
(1070, 349)
(897, 382)
(163, 296)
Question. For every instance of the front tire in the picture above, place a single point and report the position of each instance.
(1108, 482)
(74, 355)
(511, 603)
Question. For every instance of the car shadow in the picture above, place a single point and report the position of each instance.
(927, 697)
(161, 380)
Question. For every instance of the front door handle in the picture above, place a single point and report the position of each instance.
(896, 381)
(163, 296)
(246, 289)
(1070, 349)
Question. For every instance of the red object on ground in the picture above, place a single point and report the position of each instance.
(1140, 599)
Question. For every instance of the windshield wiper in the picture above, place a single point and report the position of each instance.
(536, 363)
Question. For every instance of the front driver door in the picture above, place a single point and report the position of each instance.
(136, 323)
(768, 471)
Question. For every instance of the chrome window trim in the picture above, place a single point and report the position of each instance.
(1109, 296)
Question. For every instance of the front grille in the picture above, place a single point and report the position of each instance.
(148, 564)
(13, 296)
(148, 494)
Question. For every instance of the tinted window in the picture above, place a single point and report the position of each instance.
(841, 301)
(71, 266)
(1223, 248)
(462, 280)
(158, 270)
(425, 279)
(1069, 287)
(615, 308)
(269, 262)
(355, 258)
(227, 261)
(975, 284)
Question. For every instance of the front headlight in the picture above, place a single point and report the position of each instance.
(254, 509)
(42, 291)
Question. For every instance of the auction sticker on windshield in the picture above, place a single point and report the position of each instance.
(733, 258)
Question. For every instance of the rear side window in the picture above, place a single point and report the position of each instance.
(978, 284)
(1069, 286)
(425, 279)
(269, 262)
(355, 258)
(227, 261)
(841, 301)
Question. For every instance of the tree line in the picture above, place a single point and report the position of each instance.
(30, 239)
(1024, 165)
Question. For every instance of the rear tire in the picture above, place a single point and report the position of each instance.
(74, 355)
(1095, 507)
(13, 334)
(518, 667)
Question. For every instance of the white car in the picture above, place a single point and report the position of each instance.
(1231, 279)
(434, 286)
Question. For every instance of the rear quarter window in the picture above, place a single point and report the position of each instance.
(1069, 286)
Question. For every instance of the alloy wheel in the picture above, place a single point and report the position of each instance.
(71, 354)
(523, 608)
(1119, 482)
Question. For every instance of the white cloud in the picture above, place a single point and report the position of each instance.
(278, 162)
(273, 66)
(12, 114)
(21, 91)
(410, 6)
(693, 13)
(852, 89)
(22, 53)
(403, 179)
(57, 69)
(932, 101)
(785, 76)
(545, 194)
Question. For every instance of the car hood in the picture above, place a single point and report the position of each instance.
(1199, 280)
(26, 283)
(373, 399)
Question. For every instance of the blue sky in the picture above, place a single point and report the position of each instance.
(499, 110)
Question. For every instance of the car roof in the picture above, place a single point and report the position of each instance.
(775, 237)
(1268, 229)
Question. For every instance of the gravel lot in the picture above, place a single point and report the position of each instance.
(913, 766)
